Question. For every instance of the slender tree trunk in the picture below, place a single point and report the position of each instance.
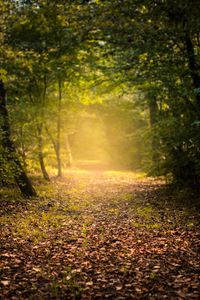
(69, 152)
(10, 154)
(40, 153)
(59, 129)
(194, 69)
(153, 113)
(23, 150)
(40, 138)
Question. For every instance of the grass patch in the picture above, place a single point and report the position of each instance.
(147, 226)
(36, 227)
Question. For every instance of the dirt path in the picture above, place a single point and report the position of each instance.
(99, 235)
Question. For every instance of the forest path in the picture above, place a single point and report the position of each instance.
(100, 235)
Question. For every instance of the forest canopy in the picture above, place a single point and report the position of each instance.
(113, 81)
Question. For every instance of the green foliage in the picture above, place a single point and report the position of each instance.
(154, 46)
(62, 59)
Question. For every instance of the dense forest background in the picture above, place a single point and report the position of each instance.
(99, 149)
(112, 81)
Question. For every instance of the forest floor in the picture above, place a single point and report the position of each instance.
(99, 235)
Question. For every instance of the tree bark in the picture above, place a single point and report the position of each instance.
(153, 113)
(22, 150)
(59, 129)
(194, 69)
(40, 154)
(69, 152)
(10, 152)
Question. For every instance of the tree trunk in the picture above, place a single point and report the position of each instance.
(10, 154)
(69, 152)
(23, 150)
(194, 69)
(40, 154)
(153, 113)
(59, 129)
(55, 148)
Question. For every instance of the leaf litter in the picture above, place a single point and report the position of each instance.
(100, 236)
